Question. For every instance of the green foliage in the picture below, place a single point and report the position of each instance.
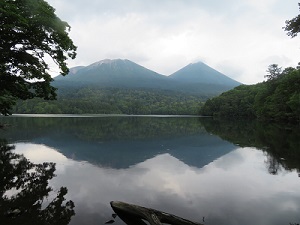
(30, 31)
(94, 100)
(276, 99)
(293, 26)
(234, 103)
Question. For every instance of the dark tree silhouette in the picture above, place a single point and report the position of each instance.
(29, 31)
(273, 72)
(293, 26)
(24, 187)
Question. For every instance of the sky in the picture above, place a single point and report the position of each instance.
(239, 38)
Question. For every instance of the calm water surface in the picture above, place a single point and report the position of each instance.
(228, 173)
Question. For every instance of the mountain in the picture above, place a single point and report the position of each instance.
(113, 73)
(202, 73)
(124, 87)
(196, 78)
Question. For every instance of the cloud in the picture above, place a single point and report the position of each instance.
(238, 38)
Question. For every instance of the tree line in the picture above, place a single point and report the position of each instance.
(92, 100)
(276, 99)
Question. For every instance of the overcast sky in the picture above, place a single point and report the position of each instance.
(239, 38)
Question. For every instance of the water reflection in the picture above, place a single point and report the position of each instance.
(121, 142)
(185, 166)
(219, 191)
(26, 197)
(280, 142)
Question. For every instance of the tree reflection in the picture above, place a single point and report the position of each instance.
(26, 197)
(280, 142)
(273, 165)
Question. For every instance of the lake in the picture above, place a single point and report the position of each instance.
(207, 171)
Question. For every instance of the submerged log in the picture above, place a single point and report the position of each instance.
(134, 215)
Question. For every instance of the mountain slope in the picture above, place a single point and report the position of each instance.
(196, 79)
(202, 73)
(113, 73)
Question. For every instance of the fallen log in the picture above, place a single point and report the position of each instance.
(134, 215)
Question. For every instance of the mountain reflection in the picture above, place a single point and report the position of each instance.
(25, 193)
(121, 142)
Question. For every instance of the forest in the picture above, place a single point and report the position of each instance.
(94, 100)
(277, 99)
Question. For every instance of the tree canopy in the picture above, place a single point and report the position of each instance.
(29, 32)
(293, 26)
(276, 99)
(94, 100)
(273, 72)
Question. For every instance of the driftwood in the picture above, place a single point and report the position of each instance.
(134, 215)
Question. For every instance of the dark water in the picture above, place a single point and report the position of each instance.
(227, 172)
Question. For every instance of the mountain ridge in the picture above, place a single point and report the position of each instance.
(114, 73)
(196, 78)
(201, 73)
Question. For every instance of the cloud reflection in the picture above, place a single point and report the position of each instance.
(40, 153)
(234, 189)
